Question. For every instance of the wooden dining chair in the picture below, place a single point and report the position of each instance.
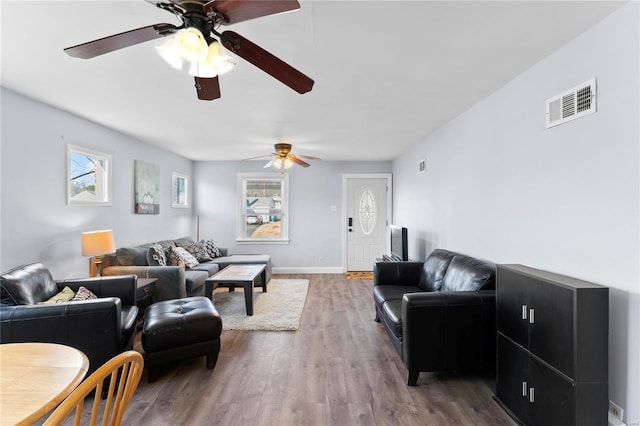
(121, 374)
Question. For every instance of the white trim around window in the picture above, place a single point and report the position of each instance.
(88, 177)
(263, 208)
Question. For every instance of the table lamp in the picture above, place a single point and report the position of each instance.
(97, 243)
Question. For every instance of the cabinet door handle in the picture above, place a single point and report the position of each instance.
(524, 389)
(531, 395)
(531, 316)
(524, 312)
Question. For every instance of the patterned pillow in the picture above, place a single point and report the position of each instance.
(64, 296)
(199, 251)
(178, 256)
(84, 294)
(211, 248)
(156, 256)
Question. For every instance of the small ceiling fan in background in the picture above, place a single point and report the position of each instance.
(284, 159)
(195, 41)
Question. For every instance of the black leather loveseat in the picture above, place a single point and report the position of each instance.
(439, 314)
(101, 328)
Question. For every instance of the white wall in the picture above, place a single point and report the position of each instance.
(36, 225)
(314, 230)
(502, 187)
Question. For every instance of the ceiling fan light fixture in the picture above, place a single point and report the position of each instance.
(218, 61)
(200, 20)
(192, 44)
(188, 44)
(170, 53)
(282, 163)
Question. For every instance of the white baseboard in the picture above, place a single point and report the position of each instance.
(613, 421)
(309, 270)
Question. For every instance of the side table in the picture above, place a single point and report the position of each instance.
(144, 296)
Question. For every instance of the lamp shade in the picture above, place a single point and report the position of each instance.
(288, 163)
(187, 44)
(170, 53)
(277, 163)
(191, 44)
(96, 243)
(218, 61)
(280, 163)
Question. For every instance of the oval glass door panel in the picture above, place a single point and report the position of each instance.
(367, 210)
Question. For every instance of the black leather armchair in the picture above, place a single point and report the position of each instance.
(101, 328)
(440, 314)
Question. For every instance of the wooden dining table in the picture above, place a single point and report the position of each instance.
(35, 378)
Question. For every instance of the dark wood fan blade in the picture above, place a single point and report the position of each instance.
(258, 157)
(298, 161)
(208, 88)
(308, 157)
(242, 10)
(104, 45)
(266, 62)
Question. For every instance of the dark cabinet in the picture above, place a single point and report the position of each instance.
(512, 374)
(552, 347)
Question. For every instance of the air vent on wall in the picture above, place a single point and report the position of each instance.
(422, 166)
(572, 104)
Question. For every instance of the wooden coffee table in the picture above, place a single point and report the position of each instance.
(247, 276)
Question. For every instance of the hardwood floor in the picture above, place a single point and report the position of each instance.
(339, 368)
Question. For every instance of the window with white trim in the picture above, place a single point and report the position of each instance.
(263, 208)
(88, 177)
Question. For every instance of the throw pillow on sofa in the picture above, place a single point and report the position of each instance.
(178, 256)
(198, 250)
(211, 248)
(84, 294)
(156, 256)
(65, 295)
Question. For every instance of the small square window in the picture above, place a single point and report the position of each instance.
(88, 177)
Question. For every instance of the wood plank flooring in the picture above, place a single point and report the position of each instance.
(339, 368)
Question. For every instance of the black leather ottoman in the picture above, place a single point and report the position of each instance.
(178, 329)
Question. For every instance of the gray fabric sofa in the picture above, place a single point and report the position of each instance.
(175, 282)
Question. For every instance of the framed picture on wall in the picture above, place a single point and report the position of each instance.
(180, 191)
(88, 177)
(147, 196)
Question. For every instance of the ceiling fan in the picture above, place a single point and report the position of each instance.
(284, 159)
(200, 20)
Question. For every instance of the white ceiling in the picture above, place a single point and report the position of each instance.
(387, 73)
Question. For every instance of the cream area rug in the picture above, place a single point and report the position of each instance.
(279, 309)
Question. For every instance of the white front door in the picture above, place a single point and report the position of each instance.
(368, 202)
